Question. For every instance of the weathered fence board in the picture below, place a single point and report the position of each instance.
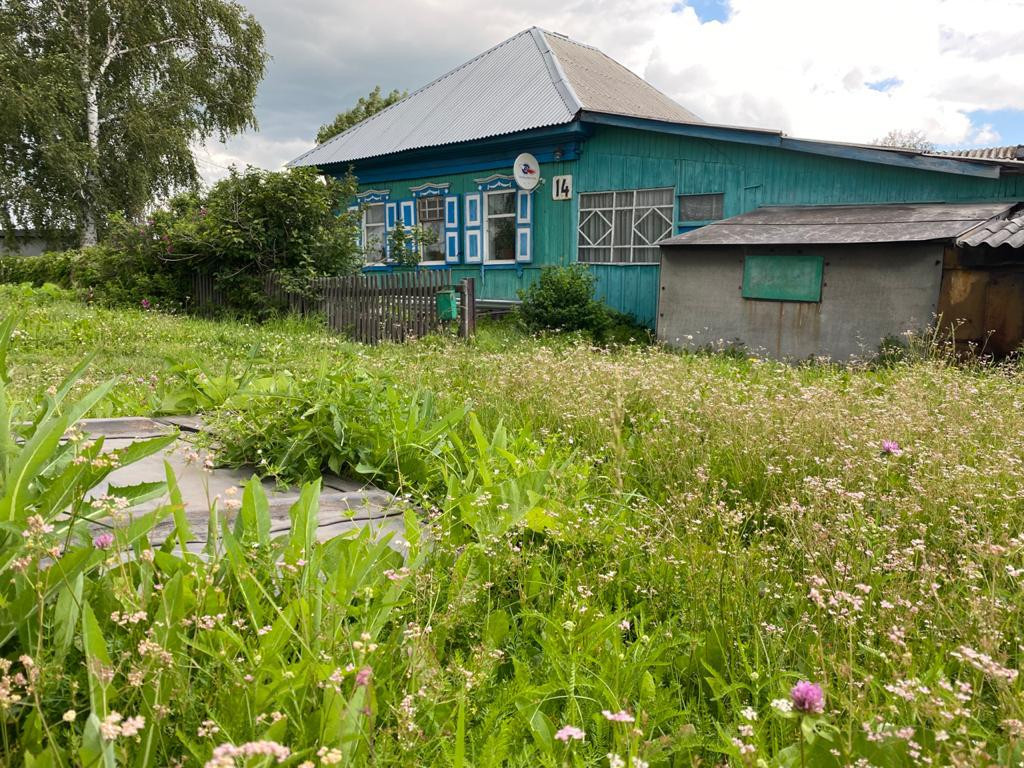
(370, 308)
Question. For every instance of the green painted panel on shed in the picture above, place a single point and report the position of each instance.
(782, 277)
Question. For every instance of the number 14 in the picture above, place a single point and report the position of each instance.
(561, 188)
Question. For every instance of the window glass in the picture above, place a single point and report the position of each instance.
(701, 207)
(624, 227)
(500, 203)
(500, 226)
(430, 215)
(375, 213)
(374, 233)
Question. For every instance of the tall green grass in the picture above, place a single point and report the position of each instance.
(603, 536)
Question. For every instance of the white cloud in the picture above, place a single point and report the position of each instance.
(986, 134)
(799, 65)
(214, 158)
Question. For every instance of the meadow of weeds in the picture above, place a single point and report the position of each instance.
(619, 557)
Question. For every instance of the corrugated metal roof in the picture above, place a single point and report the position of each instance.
(505, 89)
(838, 224)
(1008, 231)
(532, 80)
(602, 84)
(1013, 153)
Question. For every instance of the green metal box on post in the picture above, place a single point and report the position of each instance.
(447, 304)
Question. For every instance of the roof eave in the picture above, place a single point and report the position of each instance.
(541, 141)
(762, 136)
(889, 156)
(774, 138)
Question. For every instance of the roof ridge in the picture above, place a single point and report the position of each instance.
(558, 77)
(436, 80)
(643, 82)
(568, 39)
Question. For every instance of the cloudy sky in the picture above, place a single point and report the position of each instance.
(848, 70)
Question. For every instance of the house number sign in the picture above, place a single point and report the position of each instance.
(561, 188)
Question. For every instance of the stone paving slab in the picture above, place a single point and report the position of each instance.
(344, 504)
(135, 427)
(191, 423)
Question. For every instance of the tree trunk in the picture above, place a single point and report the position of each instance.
(92, 124)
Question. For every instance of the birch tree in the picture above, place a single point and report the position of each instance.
(102, 100)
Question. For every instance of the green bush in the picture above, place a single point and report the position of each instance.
(105, 274)
(563, 299)
(248, 226)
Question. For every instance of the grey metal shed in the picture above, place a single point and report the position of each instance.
(800, 281)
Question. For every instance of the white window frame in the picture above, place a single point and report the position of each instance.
(441, 237)
(486, 228)
(366, 235)
(668, 214)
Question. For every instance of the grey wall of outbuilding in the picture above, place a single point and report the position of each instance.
(868, 292)
(28, 244)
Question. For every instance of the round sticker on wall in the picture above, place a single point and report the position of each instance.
(526, 171)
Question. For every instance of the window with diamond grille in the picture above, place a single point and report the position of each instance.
(701, 207)
(624, 227)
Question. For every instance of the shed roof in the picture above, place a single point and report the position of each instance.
(1013, 153)
(535, 79)
(848, 224)
(998, 231)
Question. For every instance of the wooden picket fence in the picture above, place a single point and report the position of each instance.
(369, 307)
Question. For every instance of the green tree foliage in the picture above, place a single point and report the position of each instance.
(101, 100)
(367, 105)
(256, 223)
(248, 226)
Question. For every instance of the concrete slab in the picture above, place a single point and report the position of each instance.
(187, 423)
(344, 504)
(136, 427)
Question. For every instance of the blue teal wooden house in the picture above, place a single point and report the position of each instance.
(623, 168)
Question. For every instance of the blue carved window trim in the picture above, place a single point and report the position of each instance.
(373, 196)
(495, 181)
(430, 189)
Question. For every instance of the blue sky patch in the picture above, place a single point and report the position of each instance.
(707, 10)
(1008, 123)
(884, 85)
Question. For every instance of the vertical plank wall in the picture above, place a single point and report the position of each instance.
(749, 176)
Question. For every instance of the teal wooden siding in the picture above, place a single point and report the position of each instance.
(622, 158)
(630, 288)
(553, 229)
(748, 176)
(550, 220)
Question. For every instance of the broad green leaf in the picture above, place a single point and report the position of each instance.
(304, 516)
(139, 493)
(140, 449)
(6, 334)
(254, 515)
(97, 662)
(67, 613)
(182, 529)
(496, 628)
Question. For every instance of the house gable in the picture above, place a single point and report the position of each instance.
(533, 80)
